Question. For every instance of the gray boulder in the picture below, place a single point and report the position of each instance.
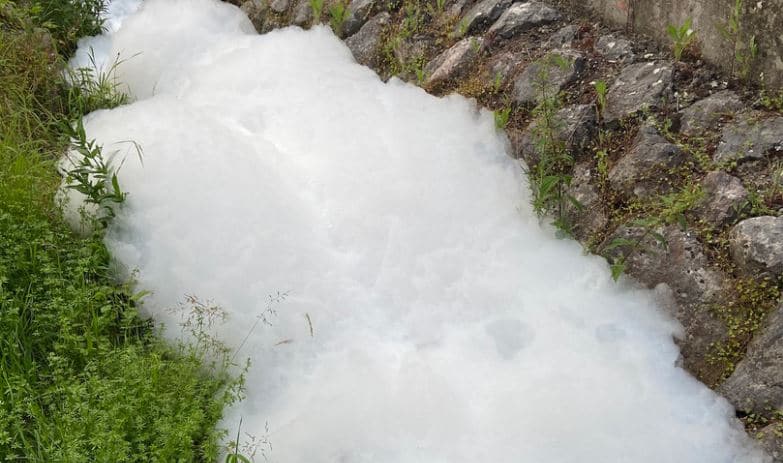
(358, 14)
(756, 246)
(279, 6)
(365, 44)
(675, 263)
(481, 16)
(303, 13)
(704, 114)
(452, 62)
(723, 200)
(521, 17)
(638, 86)
(590, 216)
(575, 127)
(644, 170)
(554, 71)
(562, 38)
(750, 138)
(615, 49)
(771, 440)
(504, 64)
(757, 383)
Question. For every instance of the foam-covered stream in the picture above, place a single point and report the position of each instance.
(447, 324)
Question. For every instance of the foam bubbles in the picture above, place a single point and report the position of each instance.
(447, 324)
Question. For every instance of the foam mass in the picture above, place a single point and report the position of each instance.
(447, 324)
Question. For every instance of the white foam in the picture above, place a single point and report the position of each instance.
(448, 325)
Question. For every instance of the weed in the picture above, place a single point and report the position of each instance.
(502, 116)
(317, 8)
(497, 82)
(600, 91)
(338, 13)
(549, 177)
(602, 165)
(681, 36)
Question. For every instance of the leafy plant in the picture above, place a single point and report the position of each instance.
(502, 116)
(317, 8)
(601, 91)
(549, 178)
(338, 13)
(497, 82)
(681, 36)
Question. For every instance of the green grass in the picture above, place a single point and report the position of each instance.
(82, 376)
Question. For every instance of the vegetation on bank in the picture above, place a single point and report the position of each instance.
(82, 376)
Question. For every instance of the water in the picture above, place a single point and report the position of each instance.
(429, 317)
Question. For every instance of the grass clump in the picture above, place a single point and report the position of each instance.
(83, 377)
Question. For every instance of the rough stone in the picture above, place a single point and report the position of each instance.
(615, 49)
(590, 216)
(644, 169)
(563, 37)
(704, 114)
(365, 43)
(771, 440)
(559, 69)
(756, 246)
(723, 200)
(668, 257)
(452, 62)
(303, 13)
(750, 138)
(521, 17)
(481, 16)
(256, 11)
(757, 383)
(638, 86)
(279, 6)
(504, 64)
(455, 8)
(358, 14)
(575, 128)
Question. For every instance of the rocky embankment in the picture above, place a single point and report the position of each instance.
(669, 169)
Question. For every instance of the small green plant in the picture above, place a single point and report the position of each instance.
(317, 8)
(502, 117)
(681, 36)
(600, 91)
(602, 165)
(421, 75)
(91, 88)
(462, 28)
(549, 177)
(93, 176)
(338, 13)
(497, 82)
(440, 6)
(771, 100)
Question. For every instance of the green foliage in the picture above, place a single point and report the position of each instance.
(743, 313)
(681, 36)
(549, 177)
(600, 91)
(502, 116)
(338, 13)
(772, 100)
(83, 377)
(67, 21)
(317, 8)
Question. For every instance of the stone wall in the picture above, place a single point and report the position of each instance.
(762, 18)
